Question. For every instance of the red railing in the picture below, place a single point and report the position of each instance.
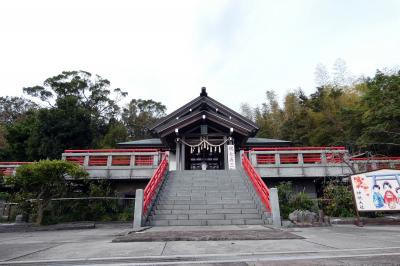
(76, 159)
(7, 168)
(258, 183)
(142, 160)
(265, 158)
(299, 148)
(110, 150)
(376, 159)
(290, 158)
(154, 183)
(122, 160)
(98, 160)
(311, 157)
(14, 163)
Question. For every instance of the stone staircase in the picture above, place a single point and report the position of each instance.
(212, 197)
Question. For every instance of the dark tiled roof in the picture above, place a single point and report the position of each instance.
(142, 142)
(204, 106)
(157, 142)
(265, 140)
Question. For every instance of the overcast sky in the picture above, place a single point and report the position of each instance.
(168, 50)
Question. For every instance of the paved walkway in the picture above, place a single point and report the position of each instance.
(344, 244)
(207, 233)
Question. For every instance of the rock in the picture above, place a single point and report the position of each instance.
(308, 218)
(287, 223)
(18, 219)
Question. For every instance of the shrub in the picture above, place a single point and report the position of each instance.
(290, 201)
(338, 200)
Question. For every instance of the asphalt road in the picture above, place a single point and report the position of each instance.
(337, 245)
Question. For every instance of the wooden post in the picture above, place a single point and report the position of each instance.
(226, 167)
(358, 221)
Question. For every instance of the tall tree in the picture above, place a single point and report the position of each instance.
(269, 117)
(139, 115)
(77, 109)
(322, 77)
(12, 108)
(91, 92)
(381, 116)
(247, 111)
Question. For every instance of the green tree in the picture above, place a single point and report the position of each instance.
(381, 113)
(139, 115)
(18, 137)
(269, 117)
(91, 92)
(116, 133)
(78, 113)
(57, 129)
(44, 180)
(13, 108)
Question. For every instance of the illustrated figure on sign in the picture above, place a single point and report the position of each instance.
(389, 198)
(398, 195)
(377, 196)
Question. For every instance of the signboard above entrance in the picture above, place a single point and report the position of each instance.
(377, 190)
(231, 157)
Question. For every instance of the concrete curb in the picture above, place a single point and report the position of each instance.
(389, 220)
(28, 227)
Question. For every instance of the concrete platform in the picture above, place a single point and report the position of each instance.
(206, 233)
(336, 245)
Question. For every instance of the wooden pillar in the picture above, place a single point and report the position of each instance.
(183, 155)
(225, 154)
(178, 156)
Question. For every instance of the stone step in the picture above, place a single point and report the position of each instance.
(206, 222)
(184, 186)
(208, 211)
(203, 206)
(208, 179)
(204, 197)
(217, 197)
(207, 216)
(204, 201)
(213, 198)
(203, 192)
(206, 193)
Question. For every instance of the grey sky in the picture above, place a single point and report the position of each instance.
(167, 50)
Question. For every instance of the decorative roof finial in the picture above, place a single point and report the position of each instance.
(203, 91)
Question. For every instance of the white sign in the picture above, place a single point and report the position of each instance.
(231, 157)
(377, 190)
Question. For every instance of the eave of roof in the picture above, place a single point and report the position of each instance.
(143, 142)
(265, 140)
(171, 121)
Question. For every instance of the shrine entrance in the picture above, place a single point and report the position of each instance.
(207, 157)
(200, 133)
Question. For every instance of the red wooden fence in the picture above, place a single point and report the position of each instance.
(258, 183)
(154, 183)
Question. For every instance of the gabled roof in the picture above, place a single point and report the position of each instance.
(143, 142)
(213, 111)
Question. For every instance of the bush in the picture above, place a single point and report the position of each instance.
(104, 210)
(4, 196)
(290, 201)
(337, 200)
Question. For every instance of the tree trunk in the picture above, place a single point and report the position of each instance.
(40, 211)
